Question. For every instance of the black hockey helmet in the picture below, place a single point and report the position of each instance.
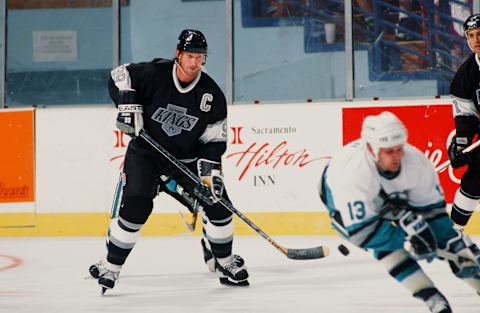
(192, 40)
(473, 21)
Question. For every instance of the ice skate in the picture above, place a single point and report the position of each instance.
(210, 259)
(438, 304)
(232, 271)
(98, 269)
(108, 279)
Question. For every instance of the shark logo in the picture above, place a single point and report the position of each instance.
(174, 119)
(473, 22)
(189, 38)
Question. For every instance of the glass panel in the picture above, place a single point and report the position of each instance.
(411, 48)
(59, 52)
(150, 28)
(288, 50)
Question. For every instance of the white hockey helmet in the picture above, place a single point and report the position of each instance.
(383, 131)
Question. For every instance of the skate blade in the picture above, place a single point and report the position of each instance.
(225, 281)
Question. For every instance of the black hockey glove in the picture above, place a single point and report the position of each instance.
(468, 263)
(192, 203)
(130, 114)
(420, 235)
(204, 194)
(210, 172)
(455, 154)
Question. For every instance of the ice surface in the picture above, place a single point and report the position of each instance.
(167, 274)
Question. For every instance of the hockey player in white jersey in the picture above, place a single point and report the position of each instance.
(383, 195)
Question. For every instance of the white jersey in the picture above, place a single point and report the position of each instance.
(353, 188)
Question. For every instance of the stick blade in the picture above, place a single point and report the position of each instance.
(308, 254)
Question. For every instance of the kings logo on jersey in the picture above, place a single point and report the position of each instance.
(174, 119)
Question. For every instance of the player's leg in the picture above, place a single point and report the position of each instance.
(388, 242)
(170, 187)
(467, 267)
(99, 268)
(136, 206)
(207, 250)
(468, 195)
(406, 271)
(218, 231)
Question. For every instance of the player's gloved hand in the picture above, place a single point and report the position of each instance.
(130, 114)
(468, 264)
(170, 183)
(210, 172)
(203, 193)
(420, 236)
(455, 154)
(192, 203)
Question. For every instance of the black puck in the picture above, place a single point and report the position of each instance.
(343, 250)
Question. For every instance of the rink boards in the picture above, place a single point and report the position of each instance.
(70, 158)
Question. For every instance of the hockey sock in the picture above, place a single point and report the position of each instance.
(121, 240)
(405, 270)
(463, 207)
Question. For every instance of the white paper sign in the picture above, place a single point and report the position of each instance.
(55, 46)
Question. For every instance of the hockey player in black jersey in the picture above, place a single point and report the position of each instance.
(182, 108)
(465, 93)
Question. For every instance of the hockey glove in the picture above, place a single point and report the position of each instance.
(130, 115)
(169, 183)
(468, 263)
(455, 154)
(420, 236)
(192, 203)
(210, 172)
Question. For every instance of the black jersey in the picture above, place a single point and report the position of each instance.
(189, 121)
(466, 84)
(465, 93)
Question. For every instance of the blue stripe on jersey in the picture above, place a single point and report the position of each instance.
(340, 230)
(328, 195)
(386, 237)
(438, 205)
(355, 228)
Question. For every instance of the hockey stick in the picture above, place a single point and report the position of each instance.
(190, 225)
(116, 197)
(295, 254)
(444, 165)
(193, 204)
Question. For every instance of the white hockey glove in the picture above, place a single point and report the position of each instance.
(468, 263)
(130, 115)
(420, 236)
(210, 172)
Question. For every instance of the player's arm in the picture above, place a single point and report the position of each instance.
(361, 220)
(124, 95)
(213, 143)
(426, 195)
(466, 121)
